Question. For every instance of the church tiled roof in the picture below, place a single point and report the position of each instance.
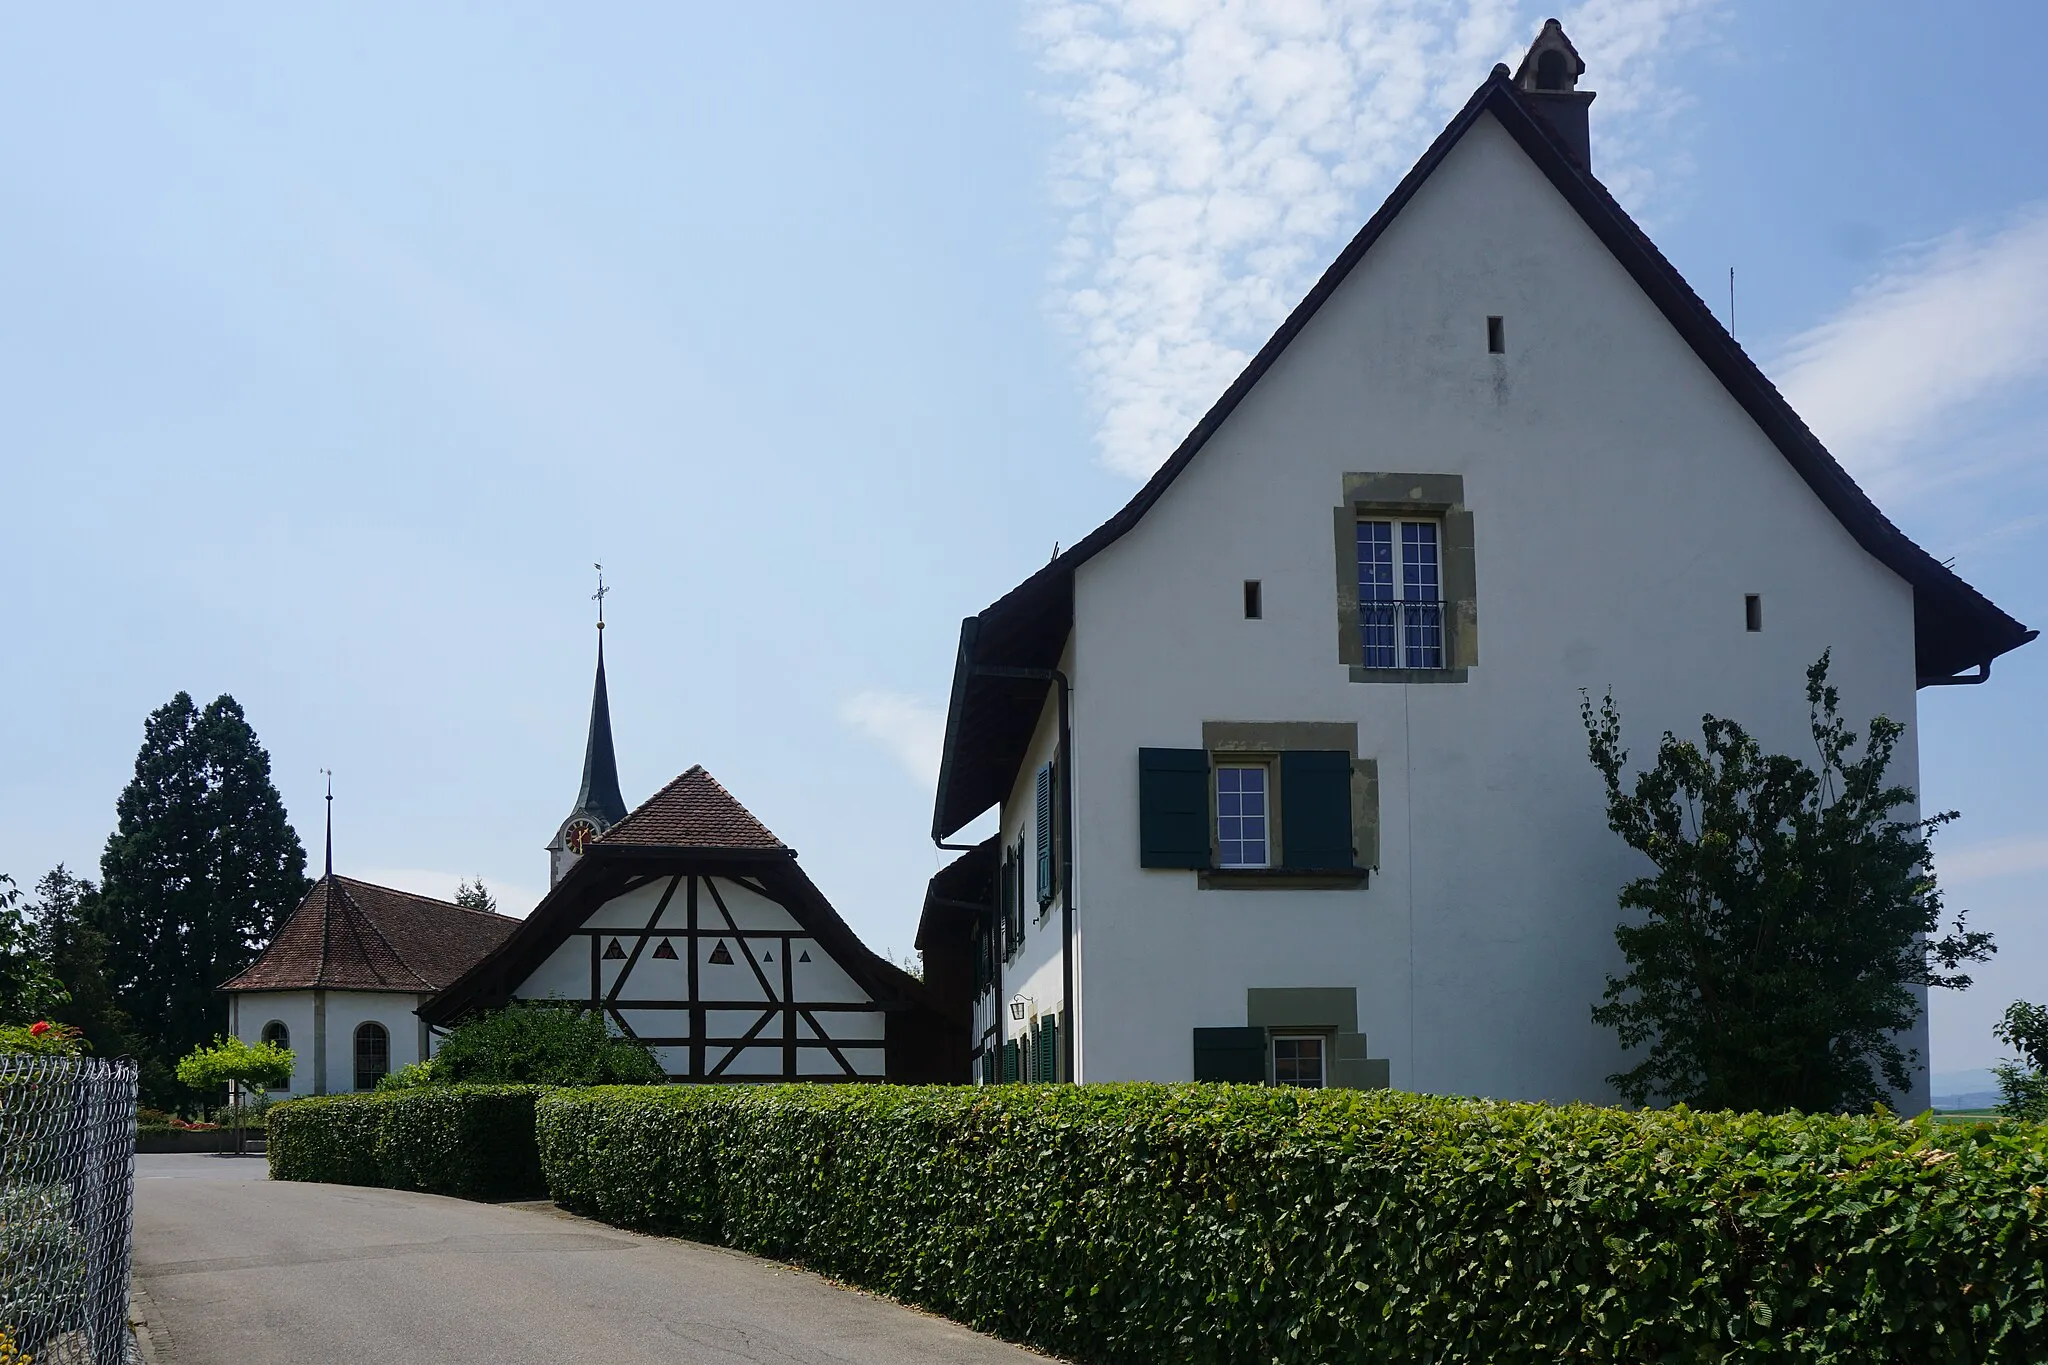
(693, 811)
(351, 935)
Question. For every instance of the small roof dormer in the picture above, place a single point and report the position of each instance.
(1548, 80)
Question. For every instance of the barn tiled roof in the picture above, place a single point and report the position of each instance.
(693, 811)
(351, 935)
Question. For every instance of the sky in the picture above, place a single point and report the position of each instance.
(336, 346)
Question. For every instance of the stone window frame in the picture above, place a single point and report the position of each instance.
(1440, 497)
(1233, 742)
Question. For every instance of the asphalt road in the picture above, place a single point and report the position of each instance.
(238, 1270)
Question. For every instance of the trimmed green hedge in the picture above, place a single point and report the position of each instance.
(472, 1141)
(1231, 1224)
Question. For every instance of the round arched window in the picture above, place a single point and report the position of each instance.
(373, 1055)
(276, 1032)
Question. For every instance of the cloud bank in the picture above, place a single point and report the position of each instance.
(1219, 153)
(1950, 323)
(913, 731)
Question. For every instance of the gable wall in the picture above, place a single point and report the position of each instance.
(647, 1003)
(1622, 503)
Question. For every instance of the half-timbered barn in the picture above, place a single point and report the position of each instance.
(692, 928)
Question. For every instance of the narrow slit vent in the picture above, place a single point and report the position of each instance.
(1753, 612)
(1497, 335)
(1254, 600)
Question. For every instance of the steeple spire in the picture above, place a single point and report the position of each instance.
(329, 773)
(599, 805)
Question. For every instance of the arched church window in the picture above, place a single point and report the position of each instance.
(276, 1032)
(373, 1055)
(1550, 70)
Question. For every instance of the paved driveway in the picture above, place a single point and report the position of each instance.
(239, 1270)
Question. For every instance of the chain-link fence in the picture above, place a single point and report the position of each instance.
(67, 1203)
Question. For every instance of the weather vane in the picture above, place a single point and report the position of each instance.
(598, 596)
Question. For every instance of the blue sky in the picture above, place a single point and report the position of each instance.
(335, 349)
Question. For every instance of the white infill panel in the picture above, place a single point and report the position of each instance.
(731, 979)
(756, 1062)
(655, 977)
(864, 1025)
(674, 1060)
(735, 1023)
(657, 1023)
(749, 909)
(565, 975)
(821, 978)
(632, 910)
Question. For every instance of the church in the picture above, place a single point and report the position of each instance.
(684, 921)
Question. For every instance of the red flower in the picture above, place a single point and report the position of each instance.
(39, 1028)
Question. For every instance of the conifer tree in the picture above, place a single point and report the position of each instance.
(199, 870)
(68, 937)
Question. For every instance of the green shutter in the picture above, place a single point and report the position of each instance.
(1173, 808)
(1017, 893)
(1315, 809)
(1043, 803)
(1230, 1054)
(1009, 1060)
(1052, 1049)
(1004, 877)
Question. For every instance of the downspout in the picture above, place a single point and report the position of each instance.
(1066, 837)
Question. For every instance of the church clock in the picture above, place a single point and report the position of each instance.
(578, 836)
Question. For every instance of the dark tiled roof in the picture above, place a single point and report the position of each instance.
(693, 811)
(996, 704)
(351, 935)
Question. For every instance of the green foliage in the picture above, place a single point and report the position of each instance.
(1789, 919)
(476, 896)
(42, 1264)
(542, 1044)
(471, 1141)
(42, 1039)
(1225, 1223)
(261, 1066)
(411, 1076)
(69, 937)
(200, 868)
(2023, 1086)
(28, 988)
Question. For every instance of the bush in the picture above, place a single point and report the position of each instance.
(1222, 1223)
(42, 1264)
(471, 1141)
(542, 1044)
(42, 1039)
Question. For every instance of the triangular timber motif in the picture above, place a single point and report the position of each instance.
(720, 955)
(804, 956)
(665, 949)
(613, 952)
(768, 956)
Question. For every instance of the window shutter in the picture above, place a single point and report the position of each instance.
(1017, 894)
(1009, 1060)
(1043, 802)
(1230, 1054)
(1052, 1048)
(1173, 808)
(1315, 809)
(1004, 877)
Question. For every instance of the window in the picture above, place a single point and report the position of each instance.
(1298, 1061)
(276, 1032)
(1242, 817)
(1753, 612)
(373, 1055)
(1400, 594)
(1497, 335)
(1254, 600)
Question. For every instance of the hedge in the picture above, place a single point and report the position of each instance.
(472, 1141)
(1231, 1224)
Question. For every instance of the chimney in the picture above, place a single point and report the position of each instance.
(1549, 81)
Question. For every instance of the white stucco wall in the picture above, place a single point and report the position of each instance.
(1033, 970)
(1623, 504)
(249, 1011)
(820, 981)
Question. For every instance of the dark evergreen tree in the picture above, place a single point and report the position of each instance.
(476, 896)
(200, 868)
(29, 991)
(69, 938)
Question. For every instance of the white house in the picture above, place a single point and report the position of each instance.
(340, 982)
(1287, 754)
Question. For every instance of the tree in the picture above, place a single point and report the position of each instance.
(261, 1067)
(1788, 922)
(475, 896)
(2024, 1084)
(544, 1044)
(29, 990)
(199, 869)
(68, 937)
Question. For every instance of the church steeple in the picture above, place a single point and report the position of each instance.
(599, 805)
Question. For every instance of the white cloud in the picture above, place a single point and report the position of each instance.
(1219, 153)
(912, 730)
(1947, 324)
(2000, 858)
(512, 897)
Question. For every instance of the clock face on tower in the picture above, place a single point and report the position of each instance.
(578, 836)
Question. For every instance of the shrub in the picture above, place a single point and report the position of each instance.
(1222, 1223)
(411, 1076)
(42, 1039)
(42, 1264)
(471, 1141)
(542, 1044)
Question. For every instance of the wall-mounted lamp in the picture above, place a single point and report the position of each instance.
(1017, 1009)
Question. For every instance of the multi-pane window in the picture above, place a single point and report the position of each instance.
(276, 1032)
(373, 1055)
(1243, 811)
(1400, 594)
(1298, 1061)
